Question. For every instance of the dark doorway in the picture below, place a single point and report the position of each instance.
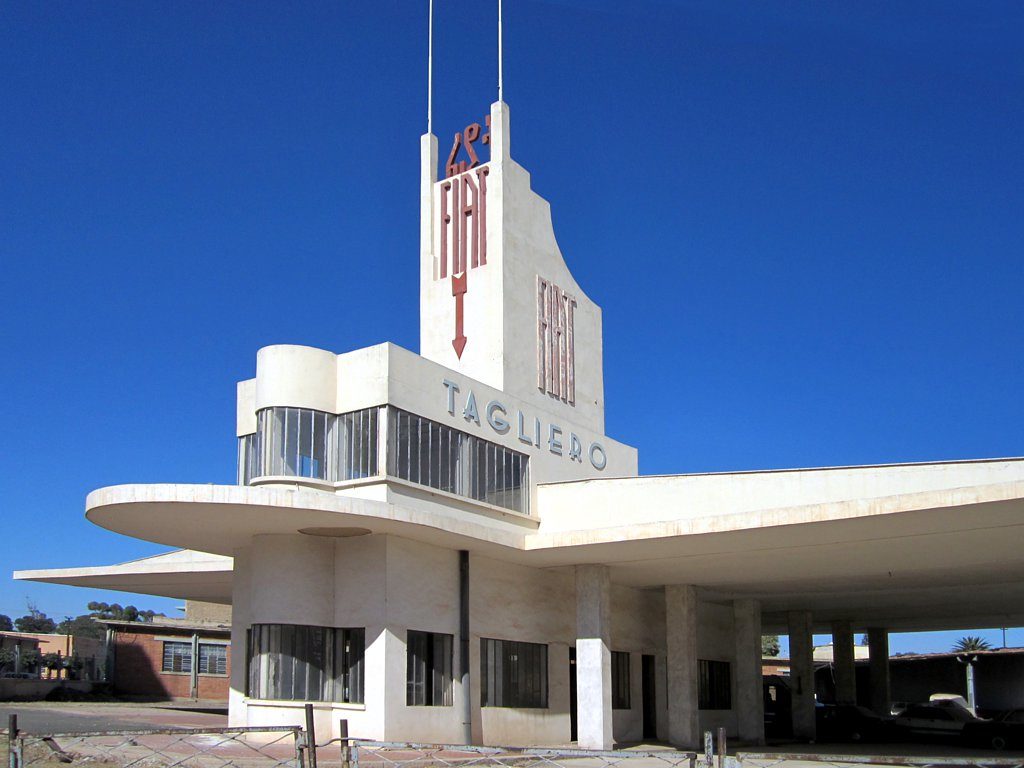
(649, 699)
(778, 707)
(573, 734)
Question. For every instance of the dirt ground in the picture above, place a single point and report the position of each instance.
(214, 750)
(66, 717)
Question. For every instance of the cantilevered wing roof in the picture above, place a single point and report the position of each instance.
(908, 547)
(183, 574)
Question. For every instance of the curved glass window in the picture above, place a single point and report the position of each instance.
(298, 442)
(292, 662)
(294, 442)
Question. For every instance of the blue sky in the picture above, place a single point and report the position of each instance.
(804, 222)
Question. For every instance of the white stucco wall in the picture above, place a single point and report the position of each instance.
(612, 503)
(391, 585)
(302, 377)
(500, 302)
(638, 626)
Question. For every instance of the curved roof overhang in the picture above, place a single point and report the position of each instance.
(918, 560)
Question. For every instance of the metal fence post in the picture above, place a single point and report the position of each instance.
(721, 748)
(310, 736)
(346, 752)
(300, 741)
(12, 737)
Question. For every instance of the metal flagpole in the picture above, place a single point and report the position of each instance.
(499, 52)
(430, 69)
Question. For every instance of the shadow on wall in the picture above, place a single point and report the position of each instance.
(137, 669)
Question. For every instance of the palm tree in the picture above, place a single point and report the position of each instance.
(971, 643)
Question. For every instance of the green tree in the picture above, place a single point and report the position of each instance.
(52, 662)
(7, 659)
(971, 643)
(769, 645)
(29, 660)
(82, 626)
(35, 621)
(115, 612)
(6, 625)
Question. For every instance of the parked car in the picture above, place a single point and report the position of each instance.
(846, 722)
(1004, 732)
(936, 720)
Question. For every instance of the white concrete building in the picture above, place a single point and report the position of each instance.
(446, 546)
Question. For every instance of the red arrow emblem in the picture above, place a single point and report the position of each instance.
(459, 292)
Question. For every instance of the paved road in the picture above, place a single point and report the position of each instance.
(44, 717)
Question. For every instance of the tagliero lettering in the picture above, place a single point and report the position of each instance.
(529, 431)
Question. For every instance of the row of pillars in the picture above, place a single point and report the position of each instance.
(593, 664)
(801, 661)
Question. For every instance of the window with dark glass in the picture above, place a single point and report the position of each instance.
(294, 662)
(620, 680)
(714, 685)
(213, 659)
(177, 656)
(432, 454)
(513, 674)
(428, 669)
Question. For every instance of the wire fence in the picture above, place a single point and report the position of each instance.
(795, 759)
(364, 753)
(264, 747)
(297, 747)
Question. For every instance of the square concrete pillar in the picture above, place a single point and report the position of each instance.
(801, 675)
(749, 705)
(593, 657)
(681, 637)
(878, 649)
(843, 662)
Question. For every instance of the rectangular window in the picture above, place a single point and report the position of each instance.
(432, 454)
(213, 659)
(354, 443)
(428, 670)
(715, 686)
(620, 680)
(513, 674)
(248, 458)
(177, 657)
(293, 662)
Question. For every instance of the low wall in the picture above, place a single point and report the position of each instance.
(19, 688)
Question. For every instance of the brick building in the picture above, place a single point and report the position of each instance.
(169, 659)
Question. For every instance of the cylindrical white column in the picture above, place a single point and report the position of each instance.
(681, 636)
(749, 677)
(801, 659)
(843, 662)
(241, 598)
(593, 657)
(878, 650)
